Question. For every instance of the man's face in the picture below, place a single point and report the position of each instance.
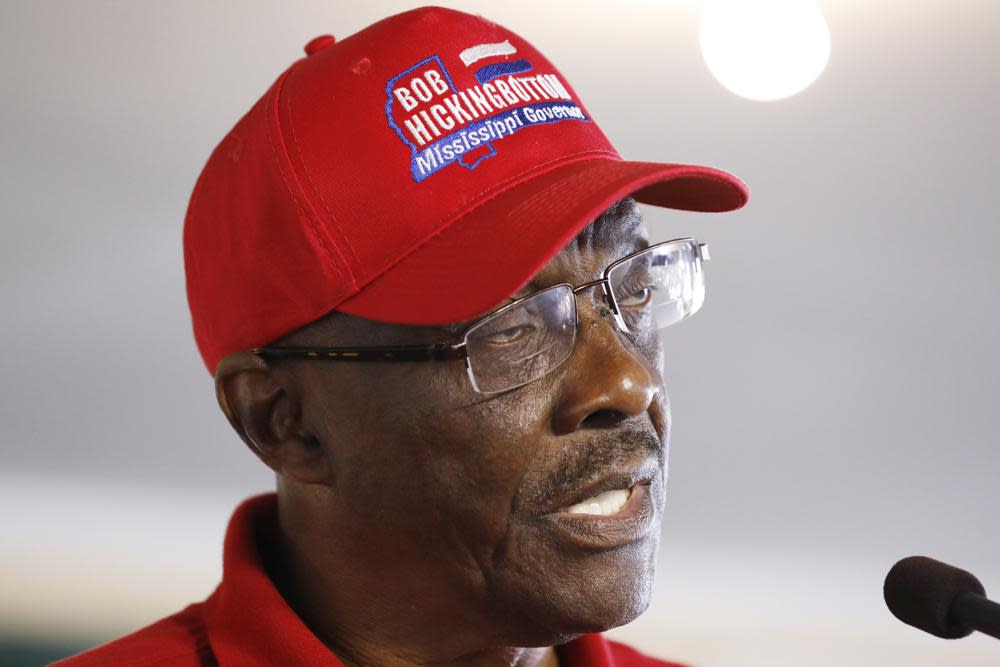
(445, 496)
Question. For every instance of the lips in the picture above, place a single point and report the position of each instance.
(589, 519)
(603, 504)
(623, 478)
(634, 522)
(577, 499)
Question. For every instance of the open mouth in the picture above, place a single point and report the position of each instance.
(606, 503)
(608, 519)
(609, 494)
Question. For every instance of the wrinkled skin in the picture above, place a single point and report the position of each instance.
(411, 506)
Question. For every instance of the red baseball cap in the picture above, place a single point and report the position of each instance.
(416, 172)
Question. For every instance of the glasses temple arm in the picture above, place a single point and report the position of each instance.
(439, 352)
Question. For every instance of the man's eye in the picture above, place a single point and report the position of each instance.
(639, 297)
(512, 334)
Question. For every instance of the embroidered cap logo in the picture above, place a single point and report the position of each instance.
(442, 124)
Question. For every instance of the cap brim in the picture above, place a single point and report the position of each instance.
(493, 250)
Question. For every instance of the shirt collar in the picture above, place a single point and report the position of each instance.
(249, 623)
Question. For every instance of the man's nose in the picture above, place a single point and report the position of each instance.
(606, 381)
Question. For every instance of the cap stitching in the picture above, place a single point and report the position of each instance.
(316, 192)
(317, 232)
(276, 120)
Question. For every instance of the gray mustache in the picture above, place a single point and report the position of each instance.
(580, 464)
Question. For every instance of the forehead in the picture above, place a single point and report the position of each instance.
(620, 226)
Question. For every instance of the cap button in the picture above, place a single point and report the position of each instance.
(319, 43)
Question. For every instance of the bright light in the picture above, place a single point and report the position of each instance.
(764, 49)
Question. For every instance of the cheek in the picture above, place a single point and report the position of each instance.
(476, 456)
(420, 453)
(651, 348)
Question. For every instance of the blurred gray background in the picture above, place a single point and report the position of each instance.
(834, 401)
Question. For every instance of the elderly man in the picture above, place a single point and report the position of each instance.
(418, 273)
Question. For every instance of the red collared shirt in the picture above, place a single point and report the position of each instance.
(246, 622)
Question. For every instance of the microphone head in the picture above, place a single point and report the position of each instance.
(920, 591)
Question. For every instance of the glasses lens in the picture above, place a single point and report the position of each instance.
(522, 342)
(660, 286)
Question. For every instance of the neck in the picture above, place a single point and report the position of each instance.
(368, 618)
(514, 657)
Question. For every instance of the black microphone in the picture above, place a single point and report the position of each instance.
(940, 599)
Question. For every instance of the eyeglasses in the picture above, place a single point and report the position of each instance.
(526, 339)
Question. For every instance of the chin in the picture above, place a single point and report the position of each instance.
(581, 595)
(611, 596)
(556, 578)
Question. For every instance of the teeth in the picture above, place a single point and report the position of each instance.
(605, 503)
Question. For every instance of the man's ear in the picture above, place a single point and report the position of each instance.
(265, 411)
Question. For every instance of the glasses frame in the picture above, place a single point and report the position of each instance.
(455, 348)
